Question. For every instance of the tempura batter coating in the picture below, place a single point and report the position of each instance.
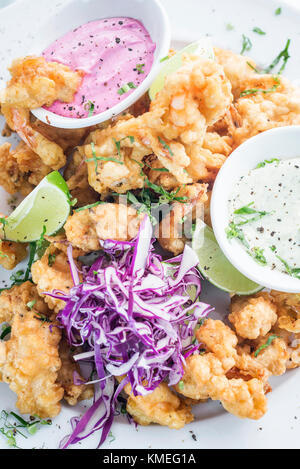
(11, 254)
(239, 382)
(29, 363)
(20, 169)
(36, 82)
(288, 310)
(19, 299)
(162, 406)
(86, 228)
(49, 152)
(253, 316)
(56, 276)
(274, 357)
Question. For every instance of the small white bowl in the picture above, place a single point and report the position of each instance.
(78, 12)
(282, 143)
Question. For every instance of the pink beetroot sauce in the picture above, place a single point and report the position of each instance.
(113, 53)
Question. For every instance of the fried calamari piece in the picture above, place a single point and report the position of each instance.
(18, 299)
(274, 357)
(54, 275)
(11, 254)
(72, 393)
(59, 242)
(253, 316)
(85, 229)
(220, 340)
(236, 68)
(263, 111)
(238, 381)
(29, 363)
(20, 169)
(162, 406)
(36, 82)
(288, 310)
(171, 231)
(115, 155)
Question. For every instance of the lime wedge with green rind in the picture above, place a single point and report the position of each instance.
(216, 268)
(48, 205)
(203, 48)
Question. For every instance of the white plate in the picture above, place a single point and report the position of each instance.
(213, 427)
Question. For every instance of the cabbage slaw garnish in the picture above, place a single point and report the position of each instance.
(135, 318)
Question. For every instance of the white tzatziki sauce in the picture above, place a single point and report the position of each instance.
(264, 213)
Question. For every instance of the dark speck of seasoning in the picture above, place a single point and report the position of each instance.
(118, 40)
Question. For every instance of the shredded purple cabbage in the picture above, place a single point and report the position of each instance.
(136, 317)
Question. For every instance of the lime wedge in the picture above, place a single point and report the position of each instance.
(46, 206)
(203, 48)
(216, 268)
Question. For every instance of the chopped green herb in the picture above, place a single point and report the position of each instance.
(233, 231)
(118, 143)
(140, 67)
(264, 163)
(246, 210)
(278, 11)
(87, 207)
(2, 254)
(261, 90)
(258, 31)
(273, 248)
(181, 385)
(258, 255)
(89, 106)
(42, 317)
(32, 253)
(6, 330)
(247, 44)
(51, 259)
(284, 55)
(100, 158)
(229, 27)
(253, 68)
(267, 344)
(166, 146)
(112, 437)
(164, 59)
(42, 244)
(125, 88)
(31, 304)
(293, 272)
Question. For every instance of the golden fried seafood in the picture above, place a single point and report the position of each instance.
(274, 357)
(52, 275)
(174, 131)
(171, 234)
(18, 299)
(194, 97)
(49, 152)
(238, 381)
(162, 406)
(288, 310)
(236, 68)
(29, 363)
(86, 228)
(115, 154)
(20, 169)
(253, 316)
(11, 254)
(72, 393)
(36, 82)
